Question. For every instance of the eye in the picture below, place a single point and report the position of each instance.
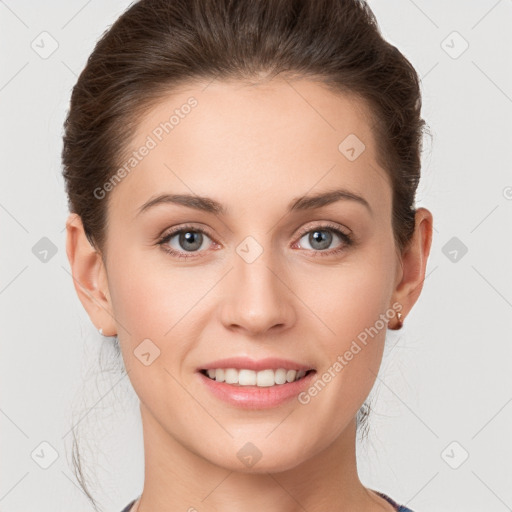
(321, 237)
(188, 239)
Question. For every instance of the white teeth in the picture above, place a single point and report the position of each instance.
(263, 378)
(280, 376)
(230, 376)
(247, 378)
(290, 375)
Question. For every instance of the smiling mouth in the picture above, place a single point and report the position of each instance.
(262, 378)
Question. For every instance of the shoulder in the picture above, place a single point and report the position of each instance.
(399, 508)
(129, 506)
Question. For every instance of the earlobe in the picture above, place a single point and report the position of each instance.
(414, 262)
(89, 276)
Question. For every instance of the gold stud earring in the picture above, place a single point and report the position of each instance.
(400, 322)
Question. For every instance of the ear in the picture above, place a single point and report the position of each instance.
(89, 276)
(414, 262)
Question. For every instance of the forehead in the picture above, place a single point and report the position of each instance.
(238, 142)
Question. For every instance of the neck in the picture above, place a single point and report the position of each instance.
(177, 478)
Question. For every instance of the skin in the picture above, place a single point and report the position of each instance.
(253, 148)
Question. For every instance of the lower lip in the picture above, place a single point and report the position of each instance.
(255, 397)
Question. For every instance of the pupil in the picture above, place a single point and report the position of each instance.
(317, 236)
(188, 237)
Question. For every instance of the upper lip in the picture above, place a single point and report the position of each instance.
(256, 365)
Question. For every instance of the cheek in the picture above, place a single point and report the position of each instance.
(149, 300)
(156, 309)
(147, 303)
(355, 309)
(353, 299)
(139, 307)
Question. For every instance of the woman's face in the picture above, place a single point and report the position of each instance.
(269, 278)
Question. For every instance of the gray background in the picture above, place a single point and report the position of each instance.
(444, 391)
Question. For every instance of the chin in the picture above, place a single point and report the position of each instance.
(249, 459)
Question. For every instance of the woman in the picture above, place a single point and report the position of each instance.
(281, 140)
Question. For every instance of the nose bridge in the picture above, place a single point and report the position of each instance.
(258, 299)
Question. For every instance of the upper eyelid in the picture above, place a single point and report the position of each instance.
(326, 225)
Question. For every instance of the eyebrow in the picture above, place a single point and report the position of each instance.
(209, 205)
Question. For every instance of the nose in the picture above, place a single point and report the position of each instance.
(258, 298)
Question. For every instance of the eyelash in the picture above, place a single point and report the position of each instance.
(347, 240)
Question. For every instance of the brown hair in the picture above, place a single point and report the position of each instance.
(157, 45)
